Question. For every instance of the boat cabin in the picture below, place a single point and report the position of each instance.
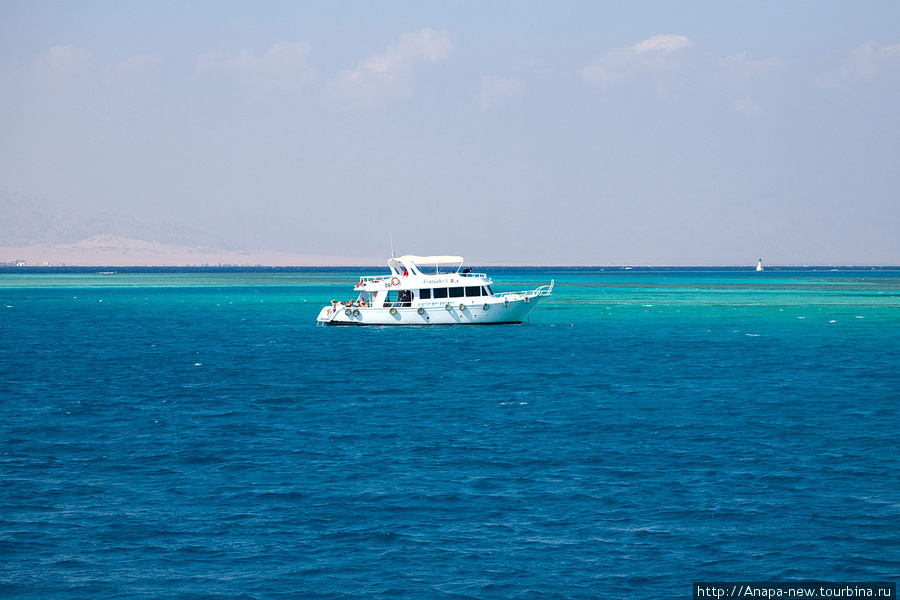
(423, 281)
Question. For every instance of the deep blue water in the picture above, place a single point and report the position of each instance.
(175, 434)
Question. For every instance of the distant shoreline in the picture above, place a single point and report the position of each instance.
(110, 251)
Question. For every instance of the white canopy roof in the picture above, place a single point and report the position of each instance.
(431, 260)
(417, 263)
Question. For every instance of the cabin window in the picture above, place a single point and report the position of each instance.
(474, 290)
(440, 292)
(391, 298)
(425, 294)
(457, 292)
(488, 291)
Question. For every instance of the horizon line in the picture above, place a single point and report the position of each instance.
(492, 265)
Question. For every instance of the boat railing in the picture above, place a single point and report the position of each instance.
(544, 290)
(367, 279)
(373, 278)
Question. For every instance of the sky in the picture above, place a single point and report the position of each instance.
(603, 133)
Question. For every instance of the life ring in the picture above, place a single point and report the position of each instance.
(347, 311)
(421, 311)
(448, 307)
(355, 312)
(506, 302)
(393, 311)
(395, 281)
(485, 307)
(462, 306)
(527, 299)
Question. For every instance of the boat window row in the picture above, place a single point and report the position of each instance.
(472, 291)
(403, 298)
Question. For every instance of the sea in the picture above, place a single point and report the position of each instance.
(192, 433)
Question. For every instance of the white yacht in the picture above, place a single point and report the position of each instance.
(431, 290)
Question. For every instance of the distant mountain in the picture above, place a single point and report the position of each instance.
(35, 231)
(29, 220)
(116, 251)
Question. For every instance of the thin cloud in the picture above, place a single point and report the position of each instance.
(666, 43)
(59, 67)
(283, 66)
(651, 56)
(136, 65)
(747, 107)
(496, 91)
(738, 70)
(131, 77)
(865, 62)
(64, 58)
(383, 76)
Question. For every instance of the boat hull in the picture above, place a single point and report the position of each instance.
(489, 313)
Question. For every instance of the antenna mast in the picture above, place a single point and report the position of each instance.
(391, 233)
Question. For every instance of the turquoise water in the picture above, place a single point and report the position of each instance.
(193, 434)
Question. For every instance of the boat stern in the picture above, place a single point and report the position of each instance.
(325, 315)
